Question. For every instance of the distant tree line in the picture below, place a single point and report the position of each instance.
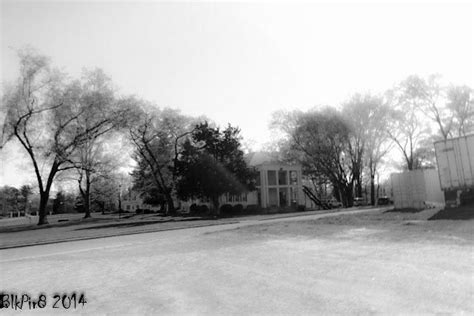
(83, 130)
(15, 200)
(342, 147)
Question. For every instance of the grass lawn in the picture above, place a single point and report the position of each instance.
(401, 225)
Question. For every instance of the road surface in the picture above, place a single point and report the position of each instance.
(230, 270)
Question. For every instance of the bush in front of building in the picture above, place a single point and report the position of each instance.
(204, 210)
(226, 210)
(144, 211)
(193, 209)
(252, 209)
(301, 208)
(237, 209)
(198, 210)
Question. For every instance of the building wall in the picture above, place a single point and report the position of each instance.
(434, 194)
(280, 185)
(416, 189)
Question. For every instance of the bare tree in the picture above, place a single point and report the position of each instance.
(405, 127)
(321, 142)
(44, 113)
(156, 137)
(367, 116)
(90, 160)
(378, 142)
(461, 104)
(356, 113)
(428, 96)
(95, 162)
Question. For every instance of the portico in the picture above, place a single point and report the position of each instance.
(279, 185)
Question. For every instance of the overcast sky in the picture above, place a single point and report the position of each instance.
(239, 62)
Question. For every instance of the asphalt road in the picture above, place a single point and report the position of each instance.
(225, 270)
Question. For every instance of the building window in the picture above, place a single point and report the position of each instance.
(294, 177)
(272, 197)
(282, 177)
(272, 177)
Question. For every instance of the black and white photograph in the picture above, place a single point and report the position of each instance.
(236, 157)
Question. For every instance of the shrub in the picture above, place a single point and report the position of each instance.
(301, 208)
(193, 209)
(237, 209)
(203, 210)
(226, 210)
(252, 209)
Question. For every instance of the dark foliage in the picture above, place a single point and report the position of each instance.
(198, 210)
(465, 212)
(301, 208)
(212, 164)
(226, 210)
(237, 209)
(252, 209)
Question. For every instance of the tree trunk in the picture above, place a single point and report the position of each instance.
(87, 209)
(215, 204)
(378, 189)
(358, 187)
(169, 201)
(119, 202)
(348, 193)
(372, 181)
(372, 189)
(86, 196)
(44, 196)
